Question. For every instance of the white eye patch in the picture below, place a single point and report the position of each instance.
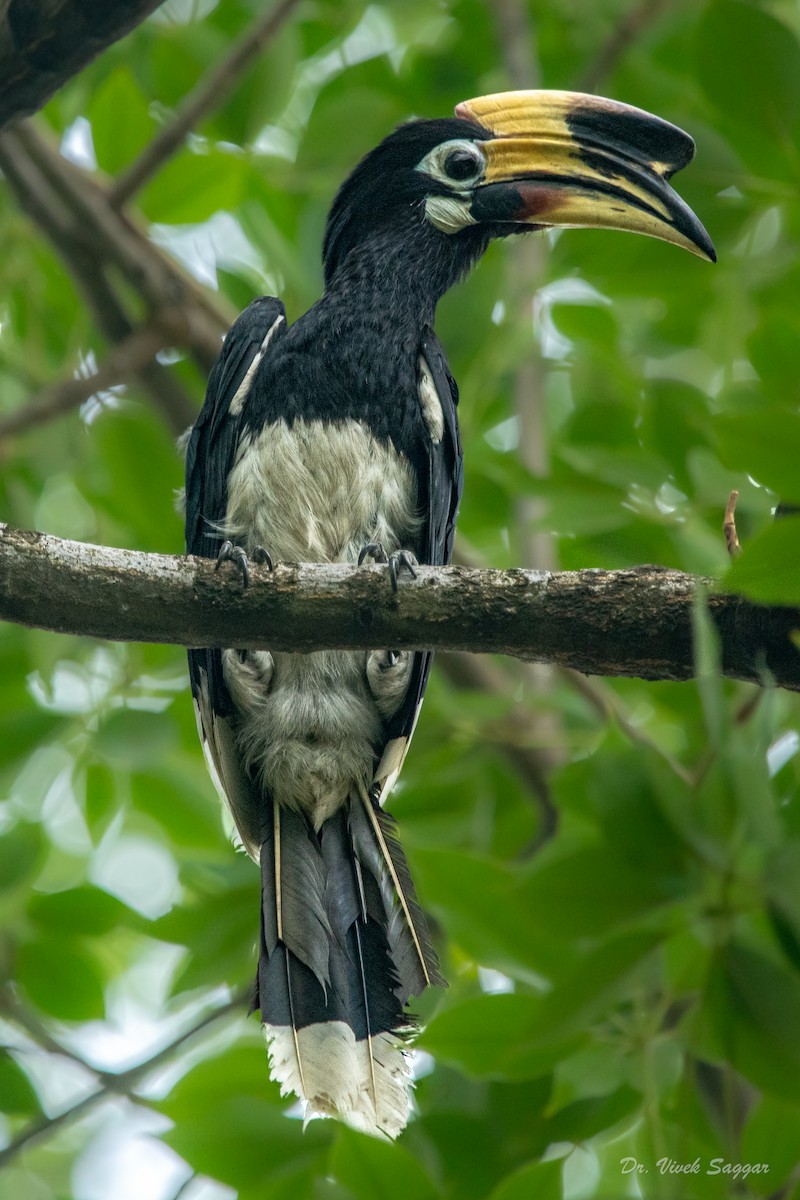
(459, 163)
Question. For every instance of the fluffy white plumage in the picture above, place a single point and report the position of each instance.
(325, 1064)
(316, 491)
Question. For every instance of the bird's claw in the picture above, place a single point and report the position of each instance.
(230, 552)
(396, 561)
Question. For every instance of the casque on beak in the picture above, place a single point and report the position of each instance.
(569, 159)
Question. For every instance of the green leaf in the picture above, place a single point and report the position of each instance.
(594, 323)
(586, 1118)
(752, 1007)
(226, 1111)
(23, 731)
(482, 902)
(764, 444)
(61, 979)
(589, 892)
(733, 33)
(183, 805)
(80, 910)
(371, 1168)
(120, 120)
(17, 1094)
(769, 568)
(782, 885)
(707, 656)
(537, 1181)
(123, 734)
(771, 1136)
(219, 930)
(497, 1037)
(585, 990)
(20, 852)
(100, 803)
(192, 187)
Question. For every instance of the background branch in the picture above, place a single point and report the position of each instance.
(631, 622)
(208, 95)
(44, 45)
(631, 27)
(128, 358)
(115, 1083)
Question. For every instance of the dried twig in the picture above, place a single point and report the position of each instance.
(14, 1011)
(208, 94)
(116, 240)
(729, 526)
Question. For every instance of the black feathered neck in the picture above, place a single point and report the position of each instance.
(378, 238)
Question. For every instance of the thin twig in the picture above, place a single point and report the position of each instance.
(125, 360)
(183, 1188)
(610, 707)
(517, 38)
(630, 28)
(513, 736)
(115, 1083)
(208, 94)
(729, 526)
(527, 270)
(36, 1031)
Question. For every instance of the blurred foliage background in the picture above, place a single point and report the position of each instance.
(624, 979)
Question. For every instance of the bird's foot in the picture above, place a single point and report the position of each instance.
(230, 552)
(396, 561)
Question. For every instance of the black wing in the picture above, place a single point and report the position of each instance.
(440, 474)
(210, 455)
(212, 444)
(445, 459)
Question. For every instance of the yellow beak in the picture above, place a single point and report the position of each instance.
(581, 160)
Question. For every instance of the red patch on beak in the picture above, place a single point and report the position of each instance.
(537, 199)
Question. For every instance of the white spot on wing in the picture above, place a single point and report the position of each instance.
(237, 403)
(431, 404)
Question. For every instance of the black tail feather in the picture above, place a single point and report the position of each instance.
(338, 960)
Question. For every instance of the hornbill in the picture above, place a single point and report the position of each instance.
(334, 439)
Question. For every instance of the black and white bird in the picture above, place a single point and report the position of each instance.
(336, 438)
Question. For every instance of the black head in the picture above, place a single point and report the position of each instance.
(439, 190)
(386, 198)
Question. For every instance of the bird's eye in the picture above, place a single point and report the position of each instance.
(462, 164)
(458, 162)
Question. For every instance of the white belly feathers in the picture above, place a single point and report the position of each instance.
(316, 491)
(310, 725)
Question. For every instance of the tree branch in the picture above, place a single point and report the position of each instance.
(208, 94)
(43, 45)
(125, 360)
(632, 622)
(115, 1083)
